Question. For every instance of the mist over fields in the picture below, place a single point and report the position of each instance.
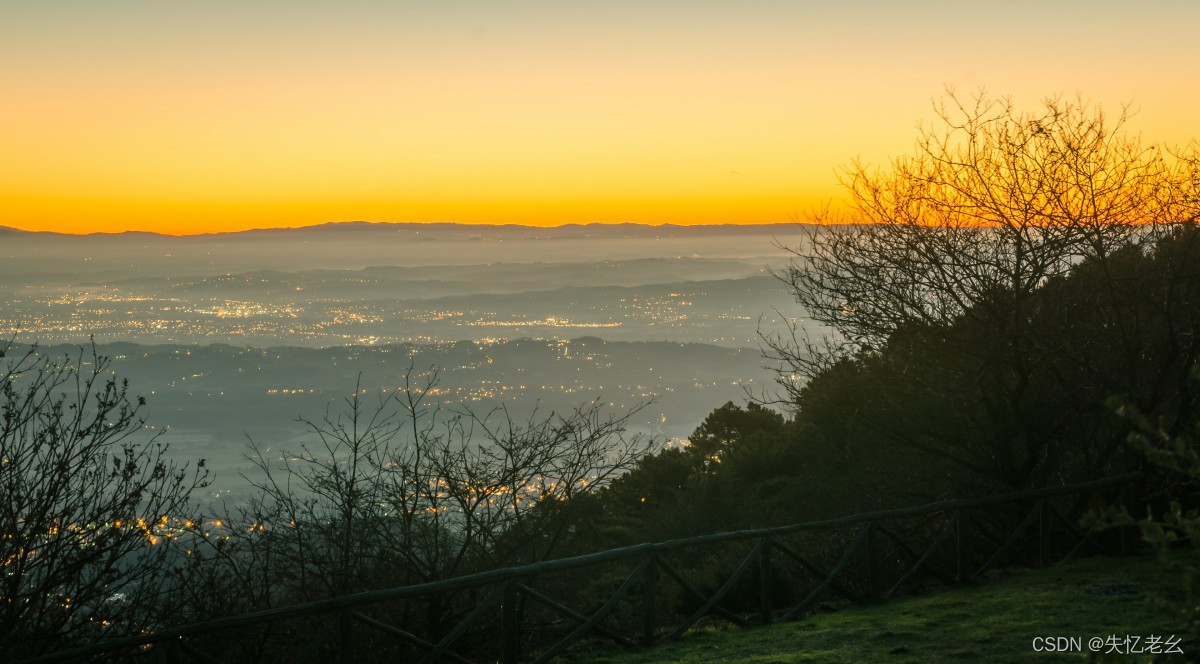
(395, 283)
(232, 337)
(357, 245)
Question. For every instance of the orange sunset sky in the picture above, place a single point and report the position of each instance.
(217, 116)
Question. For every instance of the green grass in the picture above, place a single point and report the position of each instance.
(994, 620)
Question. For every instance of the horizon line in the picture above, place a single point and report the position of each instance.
(361, 223)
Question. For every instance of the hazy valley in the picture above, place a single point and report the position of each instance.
(234, 337)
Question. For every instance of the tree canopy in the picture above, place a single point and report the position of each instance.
(1000, 283)
(992, 203)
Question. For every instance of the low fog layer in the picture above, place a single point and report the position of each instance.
(55, 257)
(238, 335)
(310, 287)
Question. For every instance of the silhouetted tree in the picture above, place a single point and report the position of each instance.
(730, 429)
(974, 283)
(88, 504)
(392, 490)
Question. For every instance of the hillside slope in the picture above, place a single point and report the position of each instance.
(996, 620)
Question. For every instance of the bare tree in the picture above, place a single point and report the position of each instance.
(88, 504)
(994, 201)
(394, 489)
(946, 257)
(488, 490)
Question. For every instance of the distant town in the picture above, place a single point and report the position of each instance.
(232, 339)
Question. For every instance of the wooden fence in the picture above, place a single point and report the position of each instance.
(662, 589)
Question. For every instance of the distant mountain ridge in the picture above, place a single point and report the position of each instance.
(108, 257)
(625, 229)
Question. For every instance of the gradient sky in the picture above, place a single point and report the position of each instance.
(211, 116)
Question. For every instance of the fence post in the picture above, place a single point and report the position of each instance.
(508, 623)
(767, 602)
(1123, 503)
(650, 601)
(346, 636)
(964, 545)
(874, 580)
(1044, 552)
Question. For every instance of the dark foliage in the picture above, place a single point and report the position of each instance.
(90, 506)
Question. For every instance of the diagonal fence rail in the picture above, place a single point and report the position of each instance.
(662, 589)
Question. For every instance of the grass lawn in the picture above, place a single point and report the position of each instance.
(994, 620)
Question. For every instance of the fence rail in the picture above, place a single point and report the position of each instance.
(876, 561)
